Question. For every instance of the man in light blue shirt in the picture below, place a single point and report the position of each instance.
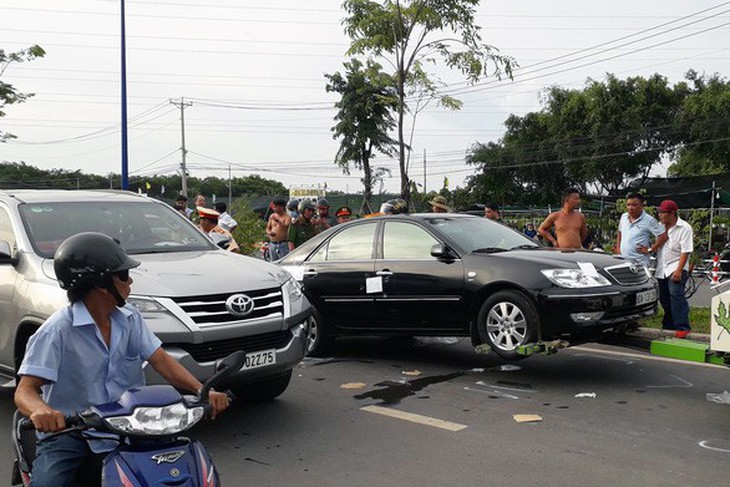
(89, 353)
(636, 229)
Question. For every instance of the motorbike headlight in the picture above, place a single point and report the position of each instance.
(292, 292)
(157, 421)
(146, 305)
(575, 278)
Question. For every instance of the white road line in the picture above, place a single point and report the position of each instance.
(648, 357)
(414, 418)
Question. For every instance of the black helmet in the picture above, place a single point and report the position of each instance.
(90, 258)
(394, 207)
(306, 205)
(323, 202)
(292, 205)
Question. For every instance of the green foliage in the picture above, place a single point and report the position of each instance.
(251, 228)
(698, 317)
(413, 33)
(8, 93)
(364, 119)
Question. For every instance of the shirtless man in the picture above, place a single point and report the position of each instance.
(570, 224)
(277, 229)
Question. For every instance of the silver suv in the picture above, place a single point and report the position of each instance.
(201, 301)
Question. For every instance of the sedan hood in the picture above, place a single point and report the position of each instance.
(173, 274)
(555, 258)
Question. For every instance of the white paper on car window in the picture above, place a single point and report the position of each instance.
(374, 285)
(588, 268)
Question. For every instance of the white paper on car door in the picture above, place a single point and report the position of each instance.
(374, 285)
(589, 269)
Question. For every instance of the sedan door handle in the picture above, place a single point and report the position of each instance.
(309, 273)
(384, 272)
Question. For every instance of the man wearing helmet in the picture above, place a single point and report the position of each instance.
(302, 229)
(324, 220)
(395, 206)
(277, 229)
(89, 353)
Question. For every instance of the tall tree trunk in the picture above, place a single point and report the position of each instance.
(367, 181)
(404, 186)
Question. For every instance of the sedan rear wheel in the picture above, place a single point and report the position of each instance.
(507, 320)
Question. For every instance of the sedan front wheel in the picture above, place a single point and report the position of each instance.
(507, 320)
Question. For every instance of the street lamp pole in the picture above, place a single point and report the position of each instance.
(125, 151)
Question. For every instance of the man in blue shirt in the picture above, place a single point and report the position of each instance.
(89, 353)
(636, 229)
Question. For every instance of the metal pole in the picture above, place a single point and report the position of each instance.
(181, 105)
(230, 191)
(712, 210)
(125, 148)
(425, 191)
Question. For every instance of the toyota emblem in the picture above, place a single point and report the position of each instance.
(634, 268)
(239, 305)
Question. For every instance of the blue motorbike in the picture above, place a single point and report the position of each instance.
(147, 422)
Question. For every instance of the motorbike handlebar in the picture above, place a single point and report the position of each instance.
(72, 421)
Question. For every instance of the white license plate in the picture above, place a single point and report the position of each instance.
(645, 297)
(263, 358)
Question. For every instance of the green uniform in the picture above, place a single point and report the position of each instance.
(300, 231)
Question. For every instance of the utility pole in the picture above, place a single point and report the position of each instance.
(712, 210)
(425, 191)
(125, 143)
(230, 189)
(182, 104)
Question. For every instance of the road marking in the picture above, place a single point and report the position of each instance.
(648, 357)
(704, 444)
(414, 418)
(685, 384)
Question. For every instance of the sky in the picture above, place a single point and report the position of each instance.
(253, 72)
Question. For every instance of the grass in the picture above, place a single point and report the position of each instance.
(699, 318)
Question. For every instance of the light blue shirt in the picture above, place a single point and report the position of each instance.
(69, 352)
(638, 232)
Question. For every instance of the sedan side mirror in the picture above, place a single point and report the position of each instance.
(441, 251)
(6, 253)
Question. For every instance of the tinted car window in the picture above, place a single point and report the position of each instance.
(406, 241)
(479, 233)
(355, 243)
(141, 227)
(6, 229)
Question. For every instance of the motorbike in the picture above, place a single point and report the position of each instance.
(148, 422)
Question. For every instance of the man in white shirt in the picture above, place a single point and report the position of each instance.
(672, 268)
(225, 220)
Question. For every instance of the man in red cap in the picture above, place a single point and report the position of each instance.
(343, 214)
(672, 268)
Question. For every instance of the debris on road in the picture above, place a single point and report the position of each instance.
(412, 373)
(586, 395)
(720, 398)
(354, 385)
(527, 418)
(508, 368)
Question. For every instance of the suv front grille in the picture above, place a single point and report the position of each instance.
(210, 351)
(211, 309)
(623, 274)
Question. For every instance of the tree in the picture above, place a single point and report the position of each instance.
(8, 93)
(411, 33)
(364, 118)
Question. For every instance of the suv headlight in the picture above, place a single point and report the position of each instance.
(157, 421)
(146, 305)
(574, 278)
(292, 292)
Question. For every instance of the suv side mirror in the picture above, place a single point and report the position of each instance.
(441, 251)
(220, 240)
(6, 253)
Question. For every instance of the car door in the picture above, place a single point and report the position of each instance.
(420, 292)
(334, 277)
(8, 277)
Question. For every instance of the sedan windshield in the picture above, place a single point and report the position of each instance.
(141, 227)
(481, 235)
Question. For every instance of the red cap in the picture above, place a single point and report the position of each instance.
(668, 206)
(207, 213)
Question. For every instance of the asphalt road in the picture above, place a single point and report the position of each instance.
(650, 422)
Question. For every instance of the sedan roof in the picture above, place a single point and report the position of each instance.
(61, 195)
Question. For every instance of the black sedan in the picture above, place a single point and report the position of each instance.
(443, 274)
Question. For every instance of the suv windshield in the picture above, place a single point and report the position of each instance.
(474, 234)
(141, 227)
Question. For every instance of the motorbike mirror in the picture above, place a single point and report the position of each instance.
(233, 361)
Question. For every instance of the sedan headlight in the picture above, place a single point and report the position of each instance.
(292, 292)
(575, 278)
(157, 421)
